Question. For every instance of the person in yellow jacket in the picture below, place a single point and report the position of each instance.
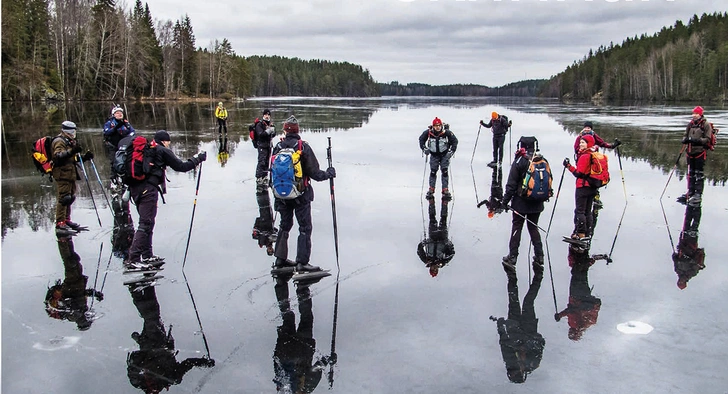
(221, 115)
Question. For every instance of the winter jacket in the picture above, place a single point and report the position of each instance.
(115, 130)
(582, 171)
(309, 166)
(64, 158)
(699, 134)
(164, 157)
(438, 144)
(264, 133)
(519, 168)
(598, 141)
(221, 113)
(500, 125)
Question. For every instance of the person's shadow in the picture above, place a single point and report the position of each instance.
(436, 249)
(68, 300)
(688, 259)
(264, 230)
(582, 310)
(293, 358)
(154, 366)
(520, 342)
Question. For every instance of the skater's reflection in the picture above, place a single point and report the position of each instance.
(67, 300)
(293, 357)
(436, 250)
(154, 366)
(521, 343)
(123, 233)
(494, 202)
(688, 258)
(263, 230)
(582, 310)
(222, 151)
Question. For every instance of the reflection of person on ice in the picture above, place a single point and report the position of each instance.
(437, 249)
(154, 367)
(263, 229)
(688, 259)
(582, 310)
(440, 143)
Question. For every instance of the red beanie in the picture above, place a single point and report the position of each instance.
(436, 121)
(698, 110)
(589, 140)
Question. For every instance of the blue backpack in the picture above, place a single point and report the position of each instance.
(286, 173)
(537, 182)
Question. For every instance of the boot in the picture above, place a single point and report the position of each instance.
(509, 263)
(63, 228)
(683, 199)
(300, 267)
(446, 195)
(73, 225)
(430, 193)
(281, 263)
(695, 200)
(493, 164)
(538, 264)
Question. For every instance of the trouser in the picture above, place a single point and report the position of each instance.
(221, 124)
(583, 219)
(517, 230)
(66, 193)
(441, 161)
(498, 141)
(305, 226)
(696, 176)
(145, 196)
(261, 170)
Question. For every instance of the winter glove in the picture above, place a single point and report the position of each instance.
(76, 149)
(510, 123)
(481, 122)
(686, 140)
(616, 143)
(426, 151)
(446, 126)
(202, 156)
(331, 172)
(566, 163)
(88, 156)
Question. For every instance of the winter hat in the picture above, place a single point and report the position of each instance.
(161, 135)
(291, 125)
(116, 109)
(698, 110)
(682, 283)
(69, 128)
(436, 121)
(266, 112)
(494, 115)
(588, 124)
(589, 140)
(219, 104)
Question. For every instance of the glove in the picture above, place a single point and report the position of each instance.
(76, 149)
(616, 143)
(202, 156)
(446, 126)
(566, 162)
(481, 122)
(426, 151)
(331, 172)
(686, 140)
(208, 362)
(88, 156)
(510, 123)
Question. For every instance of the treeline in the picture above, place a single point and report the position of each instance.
(96, 50)
(682, 62)
(526, 88)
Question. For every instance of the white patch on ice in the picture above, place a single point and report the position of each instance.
(634, 327)
(57, 343)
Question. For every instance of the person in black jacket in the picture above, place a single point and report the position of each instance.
(523, 209)
(688, 258)
(145, 195)
(301, 205)
(264, 132)
(440, 143)
(500, 125)
(437, 249)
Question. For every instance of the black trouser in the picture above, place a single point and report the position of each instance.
(517, 229)
(696, 176)
(498, 141)
(305, 226)
(439, 161)
(583, 219)
(263, 161)
(145, 196)
(221, 124)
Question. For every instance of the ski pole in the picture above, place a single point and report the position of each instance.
(98, 178)
(667, 226)
(476, 145)
(194, 305)
(192, 219)
(510, 143)
(619, 226)
(472, 171)
(525, 218)
(677, 161)
(556, 201)
(98, 265)
(621, 172)
(422, 192)
(333, 205)
(80, 159)
(332, 356)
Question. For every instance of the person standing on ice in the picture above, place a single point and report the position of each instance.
(585, 192)
(499, 125)
(440, 143)
(599, 142)
(698, 138)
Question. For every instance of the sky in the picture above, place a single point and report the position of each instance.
(487, 42)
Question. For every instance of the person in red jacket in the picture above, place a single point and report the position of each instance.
(585, 192)
(599, 142)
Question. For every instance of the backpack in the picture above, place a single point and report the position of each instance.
(599, 169)
(537, 182)
(251, 131)
(529, 143)
(134, 160)
(43, 155)
(713, 137)
(286, 173)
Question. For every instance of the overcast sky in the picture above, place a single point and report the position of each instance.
(489, 42)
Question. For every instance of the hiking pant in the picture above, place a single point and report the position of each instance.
(263, 162)
(439, 162)
(498, 141)
(66, 191)
(305, 226)
(145, 196)
(517, 230)
(583, 219)
(696, 176)
(221, 123)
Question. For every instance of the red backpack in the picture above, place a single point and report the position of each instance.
(43, 155)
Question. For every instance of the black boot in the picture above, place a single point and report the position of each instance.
(307, 267)
(509, 263)
(538, 264)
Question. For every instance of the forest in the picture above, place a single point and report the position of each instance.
(684, 62)
(528, 88)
